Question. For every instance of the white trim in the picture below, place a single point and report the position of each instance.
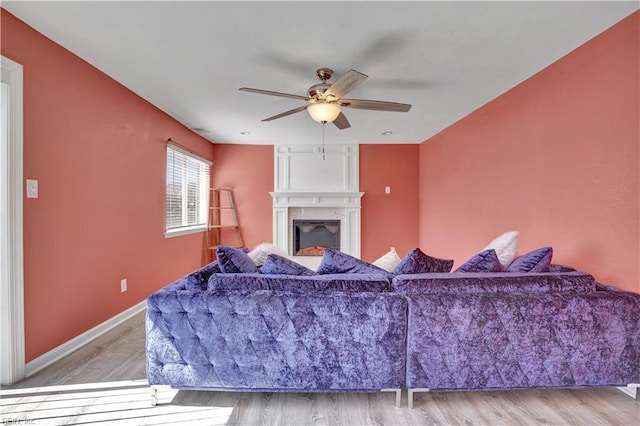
(185, 230)
(77, 342)
(12, 352)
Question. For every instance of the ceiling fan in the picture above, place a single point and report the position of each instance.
(326, 102)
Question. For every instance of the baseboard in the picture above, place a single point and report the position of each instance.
(76, 343)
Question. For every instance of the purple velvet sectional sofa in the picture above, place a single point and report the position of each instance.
(355, 327)
(256, 332)
(497, 331)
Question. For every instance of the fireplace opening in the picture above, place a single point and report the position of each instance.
(312, 237)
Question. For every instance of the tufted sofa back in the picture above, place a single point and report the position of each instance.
(496, 340)
(276, 340)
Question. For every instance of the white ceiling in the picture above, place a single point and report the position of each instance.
(445, 58)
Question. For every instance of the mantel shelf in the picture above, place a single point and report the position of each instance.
(316, 199)
(316, 194)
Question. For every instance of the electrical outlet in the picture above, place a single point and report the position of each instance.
(123, 285)
(387, 190)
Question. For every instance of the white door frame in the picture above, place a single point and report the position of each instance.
(12, 352)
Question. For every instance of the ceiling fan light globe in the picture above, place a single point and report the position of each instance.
(323, 112)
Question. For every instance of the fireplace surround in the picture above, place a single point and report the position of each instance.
(310, 188)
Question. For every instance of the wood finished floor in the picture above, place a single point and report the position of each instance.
(105, 383)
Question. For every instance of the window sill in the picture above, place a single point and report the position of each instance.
(185, 231)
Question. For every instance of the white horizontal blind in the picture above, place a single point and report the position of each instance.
(187, 190)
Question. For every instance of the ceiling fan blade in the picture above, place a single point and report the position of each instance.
(269, 92)
(284, 114)
(345, 84)
(341, 122)
(375, 105)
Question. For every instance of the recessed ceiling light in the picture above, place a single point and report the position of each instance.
(245, 133)
(386, 133)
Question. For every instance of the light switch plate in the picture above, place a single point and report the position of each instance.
(32, 188)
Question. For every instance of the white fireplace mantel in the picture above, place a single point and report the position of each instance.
(316, 199)
(313, 184)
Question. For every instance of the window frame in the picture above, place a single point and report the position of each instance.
(186, 229)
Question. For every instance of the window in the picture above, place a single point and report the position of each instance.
(187, 192)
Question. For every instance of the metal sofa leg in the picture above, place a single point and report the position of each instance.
(635, 390)
(412, 391)
(154, 396)
(398, 395)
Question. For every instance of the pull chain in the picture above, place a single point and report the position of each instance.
(324, 123)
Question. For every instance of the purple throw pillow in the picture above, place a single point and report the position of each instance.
(416, 262)
(276, 264)
(336, 262)
(485, 261)
(234, 261)
(198, 280)
(535, 261)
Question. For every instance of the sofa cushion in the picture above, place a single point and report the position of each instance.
(485, 261)
(275, 264)
(499, 282)
(416, 262)
(506, 246)
(234, 261)
(300, 283)
(535, 261)
(337, 262)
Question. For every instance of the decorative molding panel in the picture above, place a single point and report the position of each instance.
(304, 168)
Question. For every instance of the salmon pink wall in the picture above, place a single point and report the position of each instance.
(248, 171)
(389, 220)
(98, 152)
(555, 158)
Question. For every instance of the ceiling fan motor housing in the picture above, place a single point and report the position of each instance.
(316, 92)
